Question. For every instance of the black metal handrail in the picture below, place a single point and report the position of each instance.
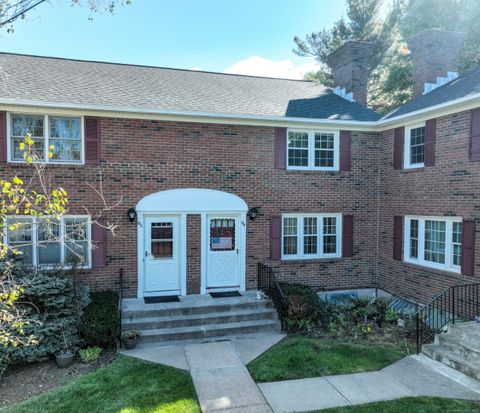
(267, 282)
(455, 303)
(119, 306)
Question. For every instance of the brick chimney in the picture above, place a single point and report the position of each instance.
(435, 53)
(349, 64)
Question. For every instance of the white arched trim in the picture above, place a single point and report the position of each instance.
(179, 203)
(191, 200)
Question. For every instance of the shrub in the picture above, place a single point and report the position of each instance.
(99, 324)
(90, 354)
(304, 307)
(53, 303)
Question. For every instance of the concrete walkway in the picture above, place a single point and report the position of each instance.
(410, 377)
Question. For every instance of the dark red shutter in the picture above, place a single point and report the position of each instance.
(3, 136)
(345, 150)
(430, 131)
(397, 237)
(280, 148)
(275, 238)
(92, 140)
(475, 135)
(398, 138)
(468, 248)
(99, 244)
(347, 236)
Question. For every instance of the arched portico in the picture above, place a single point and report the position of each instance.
(162, 241)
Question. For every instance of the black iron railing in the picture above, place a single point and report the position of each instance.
(267, 282)
(119, 306)
(456, 303)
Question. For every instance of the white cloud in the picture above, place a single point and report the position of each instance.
(259, 66)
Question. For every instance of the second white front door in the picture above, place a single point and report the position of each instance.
(162, 263)
(223, 252)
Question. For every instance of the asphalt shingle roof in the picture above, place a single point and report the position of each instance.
(464, 86)
(63, 81)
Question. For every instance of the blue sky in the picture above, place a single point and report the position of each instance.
(247, 36)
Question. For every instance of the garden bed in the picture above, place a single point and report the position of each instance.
(126, 384)
(298, 357)
(33, 379)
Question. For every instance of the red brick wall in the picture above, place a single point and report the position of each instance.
(193, 253)
(140, 157)
(451, 187)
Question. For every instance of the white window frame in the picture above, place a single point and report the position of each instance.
(35, 224)
(311, 150)
(300, 236)
(408, 146)
(46, 132)
(420, 260)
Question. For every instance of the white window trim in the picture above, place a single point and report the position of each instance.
(300, 236)
(407, 146)
(448, 266)
(34, 241)
(46, 128)
(311, 151)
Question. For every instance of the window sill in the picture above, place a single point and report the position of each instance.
(316, 171)
(456, 274)
(413, 168)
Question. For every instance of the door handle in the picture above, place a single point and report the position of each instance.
(146, 253)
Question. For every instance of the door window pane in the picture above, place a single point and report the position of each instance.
(435, 241)
(310, 239)
(417, 145)
(324, 149)
(289, 236)
(329, 235)
(298, 149)
(222, 234)
(162, 239)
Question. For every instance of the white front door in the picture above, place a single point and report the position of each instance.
(223, 251)
(162, 263)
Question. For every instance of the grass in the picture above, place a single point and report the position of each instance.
(298, 357)
(126, 385)
(412, 405)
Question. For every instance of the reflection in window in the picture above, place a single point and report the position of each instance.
(162, 240)
(222, 234)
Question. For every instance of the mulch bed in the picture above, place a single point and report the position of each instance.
(30, 380)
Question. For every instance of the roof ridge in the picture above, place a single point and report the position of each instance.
(158, 67)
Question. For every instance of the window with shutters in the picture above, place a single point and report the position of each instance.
(46, 241)
(59, 135)
(434, 242)
(307, 236)
(414, 151)
(313, 150)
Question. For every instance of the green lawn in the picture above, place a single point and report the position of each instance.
(127, 385)
(412, 405)
(298, 357)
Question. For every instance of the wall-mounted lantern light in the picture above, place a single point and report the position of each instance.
(131, 213)
(253, 213)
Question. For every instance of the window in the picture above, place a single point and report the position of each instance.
(434, 242)
(222, 234)
(162, 240)
(306, 236)
(47, 241)
(415, 146)
(63, 134)
(312, 150)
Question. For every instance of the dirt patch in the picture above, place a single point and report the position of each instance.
(24, 382)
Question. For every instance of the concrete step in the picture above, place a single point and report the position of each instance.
(209, 330)
(469, 331)
(149, 323)
(447, 357)
(464, 348)
(163, 310)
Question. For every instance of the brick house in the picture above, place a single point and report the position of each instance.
(218, 172)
